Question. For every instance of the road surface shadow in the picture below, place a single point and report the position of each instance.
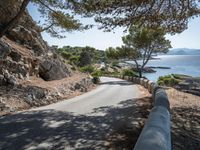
(119, 128)
(122, 83)
(186, 128)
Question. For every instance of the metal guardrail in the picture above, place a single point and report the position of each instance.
(156, 132)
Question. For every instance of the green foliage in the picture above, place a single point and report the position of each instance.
(66, 55)
(106, 73)
(56, 15)
(168, 80)
(96, 76)
(114, 63)
(74, 60)
(59, 22)
(82, 56)
(97, 73)
(96, 80)
(57, 19)
(85, 58)
(142, 42)
(87, 69)
(128, 72)
(173, 16)
(145, 41)
(112, 53)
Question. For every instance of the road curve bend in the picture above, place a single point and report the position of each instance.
(83, 122)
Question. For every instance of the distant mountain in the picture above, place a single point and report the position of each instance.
(184, 51)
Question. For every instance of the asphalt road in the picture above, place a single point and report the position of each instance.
(84, 122)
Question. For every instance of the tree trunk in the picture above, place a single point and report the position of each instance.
(139, 69)
(14, 20)
(140, 72)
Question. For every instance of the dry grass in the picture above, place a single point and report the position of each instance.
(181, 99)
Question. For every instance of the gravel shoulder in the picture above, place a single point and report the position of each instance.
(185, 111)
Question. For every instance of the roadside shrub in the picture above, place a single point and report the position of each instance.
(103, 69)
(96, 80)
(87, 69)
(115, 63)
(128, 72)
(96, 73)
(168, 80)
(160, 82)
(85, 59)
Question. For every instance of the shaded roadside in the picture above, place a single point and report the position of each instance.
(118, 128)
(185, 113)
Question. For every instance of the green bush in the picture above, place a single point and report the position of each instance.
(74, 60)
(97, 73)
(128, 72)
(115, 63)
(96, 80)
(87, 69)
(103, 69)
(66, 55)
(160, 82)
(168, 80)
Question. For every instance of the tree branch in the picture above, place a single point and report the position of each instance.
(48, 27)
(47, 6)
(14, 20)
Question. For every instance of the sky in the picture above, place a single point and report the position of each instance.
(190, 38)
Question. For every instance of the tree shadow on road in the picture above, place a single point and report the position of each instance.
(121, 83)
(118, 128)
(186, 128)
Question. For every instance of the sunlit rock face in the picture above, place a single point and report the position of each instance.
(23, 51)
(26, 32)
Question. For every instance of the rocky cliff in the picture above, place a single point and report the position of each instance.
(25, 59)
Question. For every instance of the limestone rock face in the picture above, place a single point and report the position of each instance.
(29, 54)
(53, 69)
(26, 32)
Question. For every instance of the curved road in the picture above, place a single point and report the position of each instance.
(87, 122)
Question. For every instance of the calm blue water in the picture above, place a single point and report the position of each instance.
(180, 64)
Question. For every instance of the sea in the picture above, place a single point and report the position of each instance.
(179, 64)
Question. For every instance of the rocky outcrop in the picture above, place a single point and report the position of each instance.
(31, 94)
(189, 85)
(26, 32)
(29, 54)
(52, 69)
(32, 74)
(16, 61)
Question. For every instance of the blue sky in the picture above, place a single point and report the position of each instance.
(190, 38)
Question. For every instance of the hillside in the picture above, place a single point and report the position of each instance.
(31, 73)
(184, 51)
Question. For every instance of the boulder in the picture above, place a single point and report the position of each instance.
(35, 93)
(7, 79)
(5, 49)
(53, 69)
(2, 80)
(15, 56)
